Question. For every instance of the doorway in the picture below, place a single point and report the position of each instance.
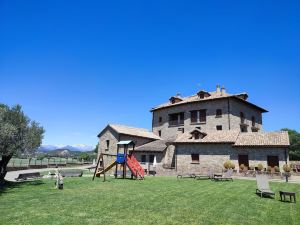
(273, 161)
(243, 159)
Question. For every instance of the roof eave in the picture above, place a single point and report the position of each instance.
(200, 100)
(263, 146)
(249, 103)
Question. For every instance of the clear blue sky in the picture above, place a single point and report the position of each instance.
(75, 66)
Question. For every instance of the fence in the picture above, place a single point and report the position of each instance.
(44, 163)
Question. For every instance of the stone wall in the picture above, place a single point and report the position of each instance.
(259, 155)
(114, 138)
(159, 161)
(171, 132)
(137, 140)
(214, 155)
(236, 107)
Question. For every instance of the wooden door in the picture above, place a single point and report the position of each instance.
(243, 159)
(273, 161)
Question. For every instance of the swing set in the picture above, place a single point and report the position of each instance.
(122, 160)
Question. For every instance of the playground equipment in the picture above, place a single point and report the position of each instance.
(123, 160)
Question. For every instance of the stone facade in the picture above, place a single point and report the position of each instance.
(236, 107)
(230, 119)
(177, 156)
(213, 156)
(108, 134)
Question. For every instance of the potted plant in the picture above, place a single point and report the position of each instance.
(229, 165)
(260, 167)
(251, 167)
(269, 169)
(287, 172)
(277, 170)
(242, 167)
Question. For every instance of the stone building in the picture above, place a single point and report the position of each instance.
(202, 131)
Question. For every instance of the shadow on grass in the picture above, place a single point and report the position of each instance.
(8, 185)
(287, 201)
(265, 196)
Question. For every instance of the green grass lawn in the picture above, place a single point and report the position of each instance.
(156, 200)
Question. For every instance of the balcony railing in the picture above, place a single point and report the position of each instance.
(176, 123)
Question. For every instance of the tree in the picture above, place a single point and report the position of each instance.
(96, 148)
(294, 150)
(85, 156)
(18, 135)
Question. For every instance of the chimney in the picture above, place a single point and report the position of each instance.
(218, 89)
(223, 91)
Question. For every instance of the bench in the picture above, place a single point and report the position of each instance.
(70, 173)
(286, 193)
(25, 176)
(190, 175)
(91, 168)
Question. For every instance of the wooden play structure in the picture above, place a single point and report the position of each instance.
(121, 162)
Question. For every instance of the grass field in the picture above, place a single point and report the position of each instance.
(156, 200)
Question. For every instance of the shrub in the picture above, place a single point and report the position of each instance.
(232, 166)
(242, 167)
(260, 167)
(229, 165)
(277, 170)
(286, 168)
(269, 169)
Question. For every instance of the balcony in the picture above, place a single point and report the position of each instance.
(175, 123)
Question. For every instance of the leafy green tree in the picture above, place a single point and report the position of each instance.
(41, 156)
(84, 156)
(294, 150)
(18, 135)
(96, 148)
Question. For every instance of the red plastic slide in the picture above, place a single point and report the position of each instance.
(135, 167)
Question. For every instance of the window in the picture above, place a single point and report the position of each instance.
(143, 158)
(176, 119)
(253, 121)
(219, 127)
(151, 158)
(198, 116)
(107, 145)
(244, 129)
(160, 119)
(242, 116)
(195, 158)
(203, 115)
(180, 130)
(201, 95)
(194, 116)
(219, 113)
(159, 133)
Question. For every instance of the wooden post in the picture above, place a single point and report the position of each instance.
(97, 166)
(116, 172)
(103, 166)
(124, 164)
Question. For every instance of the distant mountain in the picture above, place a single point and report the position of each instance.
(73, 148)
(47, 148)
